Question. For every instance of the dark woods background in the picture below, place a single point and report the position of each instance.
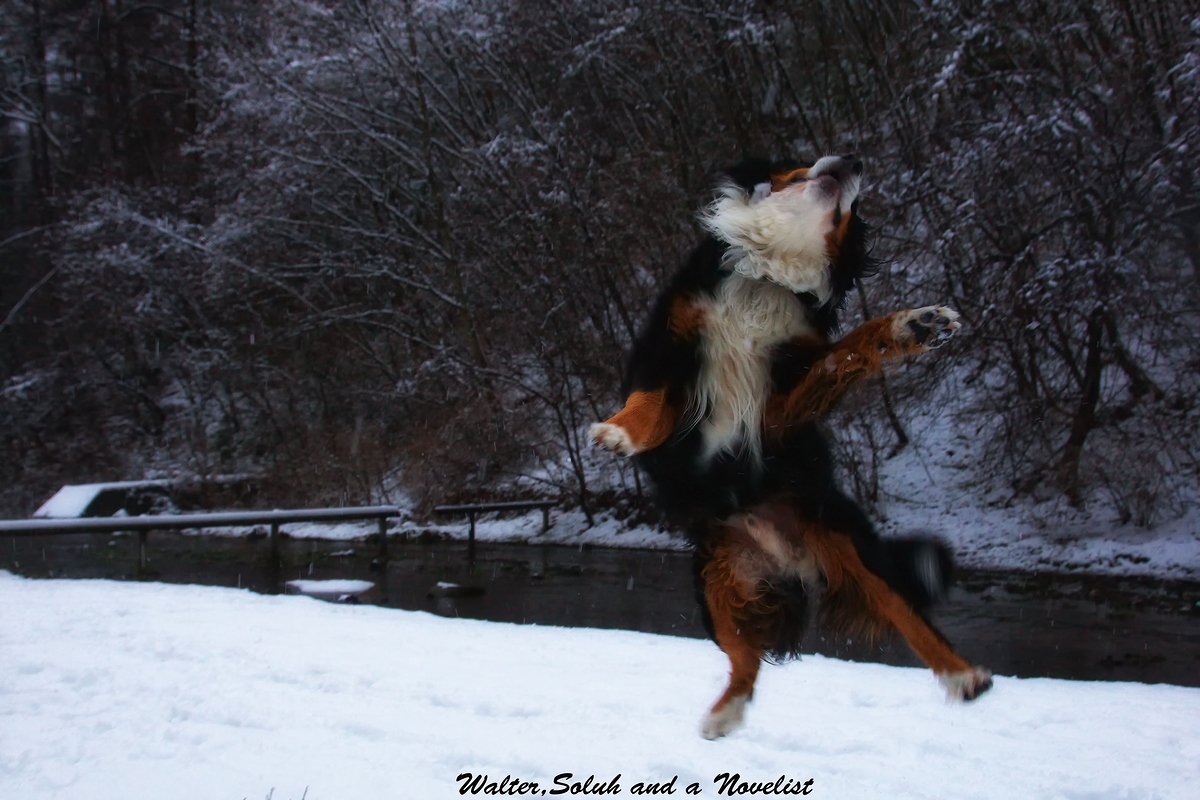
(359, 246)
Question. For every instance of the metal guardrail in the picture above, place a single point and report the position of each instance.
(162, 522)
(471, 509)
(221, 519)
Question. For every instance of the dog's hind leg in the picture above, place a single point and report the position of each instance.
(727, 597)
(753, 578)
(854, 591)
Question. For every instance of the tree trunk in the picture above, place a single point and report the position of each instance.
(1085, 414)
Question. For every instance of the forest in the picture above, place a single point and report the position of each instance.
(371, 249)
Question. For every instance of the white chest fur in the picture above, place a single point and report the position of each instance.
(743, 322)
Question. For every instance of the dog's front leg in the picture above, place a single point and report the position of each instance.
(862, 354)
(649, 417)
(646, 421)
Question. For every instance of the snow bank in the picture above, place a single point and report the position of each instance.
(933, 486)
(120, 690)
(70, 501)
(566, 527)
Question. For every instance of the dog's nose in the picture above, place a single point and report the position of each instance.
(840, 167)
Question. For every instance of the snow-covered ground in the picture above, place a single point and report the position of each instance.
(126, 690)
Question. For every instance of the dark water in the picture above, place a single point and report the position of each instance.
(1015, 623)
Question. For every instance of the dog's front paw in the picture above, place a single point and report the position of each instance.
(613, 438)
(966, 685)
(927, 327)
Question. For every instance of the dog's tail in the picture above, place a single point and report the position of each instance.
(921, 570)
(918, 568)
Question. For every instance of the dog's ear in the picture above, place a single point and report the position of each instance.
(750, 173)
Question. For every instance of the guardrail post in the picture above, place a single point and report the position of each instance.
(383, 551)
(471, 509)
(141, 564)
(471, 542)
(273, 565)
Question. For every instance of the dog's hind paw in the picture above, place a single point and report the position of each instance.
(966, 685)
(928, 328)
(725, 720)
(613, 438)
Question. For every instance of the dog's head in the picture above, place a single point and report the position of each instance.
(795, 225)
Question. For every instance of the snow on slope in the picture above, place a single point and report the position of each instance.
(932, 486)
(123, 690)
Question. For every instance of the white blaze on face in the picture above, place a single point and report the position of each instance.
(777, 248)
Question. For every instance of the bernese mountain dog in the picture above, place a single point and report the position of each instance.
(724, 390)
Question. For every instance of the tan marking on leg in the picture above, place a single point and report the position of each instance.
(749, 552)
(646, 421)
(859, 354)
(686, 318)
(727, 599)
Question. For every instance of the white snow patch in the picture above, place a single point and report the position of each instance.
(73, 500)
(115, 690)
(566, 527)
(329, 586)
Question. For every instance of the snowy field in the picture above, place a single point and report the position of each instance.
(124, 690)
